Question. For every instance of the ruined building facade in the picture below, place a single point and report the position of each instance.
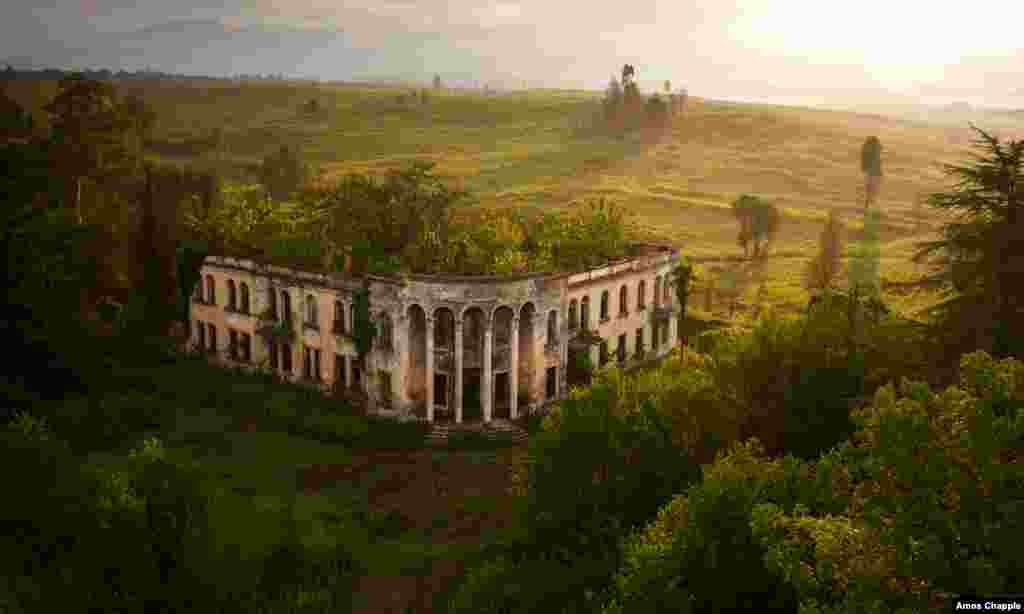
(439, 337)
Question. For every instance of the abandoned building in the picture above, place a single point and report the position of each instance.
(439, 338)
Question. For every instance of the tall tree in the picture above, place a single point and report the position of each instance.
(630, 92)
(871, 166)
(283, 173)
(823, 270)
(437, 82)
(88, 133)
(759, 222)
(613, 99)
(981, 252)
(683, 276)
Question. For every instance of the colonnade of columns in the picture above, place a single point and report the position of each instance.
(487, 401)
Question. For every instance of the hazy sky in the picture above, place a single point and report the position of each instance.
(783, 50)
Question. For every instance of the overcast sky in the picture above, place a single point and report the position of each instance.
(772, 50)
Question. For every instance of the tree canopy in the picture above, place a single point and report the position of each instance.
(980, 256)
(759, 221)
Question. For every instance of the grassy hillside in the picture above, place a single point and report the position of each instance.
(546, 149)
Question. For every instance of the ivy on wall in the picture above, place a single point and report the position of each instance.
(363, 329)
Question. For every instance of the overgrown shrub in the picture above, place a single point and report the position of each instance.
(925, 501)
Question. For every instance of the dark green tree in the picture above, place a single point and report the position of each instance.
(88, 134)
(980, 257)
(759, 223)
(437, 82)
(283, 173)
(871, 166)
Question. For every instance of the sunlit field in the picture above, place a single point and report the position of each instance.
(546, 149)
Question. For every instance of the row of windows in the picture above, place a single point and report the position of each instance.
(238, 300)
(660, 334)
(281, 360)
(660, 292)
(239, 343)
(238, 295)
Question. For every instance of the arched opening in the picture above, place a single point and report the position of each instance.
(604, 305)
(244, 287)
(286, 305)
(311, 314)
(552, 340)
(641, 294)
(527, 376)
(232, 296)
(385, 331)
(211, 290)
(573, 321)
(585, 313)
(444, 363)
(339, 317)
(623, 301)
(416, 379)
(272, 296)
(472, 363)
(501, 363)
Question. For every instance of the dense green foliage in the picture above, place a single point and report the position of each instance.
(980, 254)
(759, 222)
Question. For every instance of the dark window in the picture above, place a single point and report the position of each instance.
(211, 290)
(604, 305)
(572, 315)
(311, 313)
(357, 376)
(385, 389)
(640, 342)
(585, 313)
(551, 383)
(201, 332)
(620, 352)
(655, 334)
(307, 363)
(603, 354)
(197, 294)
(213, 337)
(246, 347)
(233, 344)
(339, 370)
(272, 348)
(245, 297)
(339, 317)
(286, 306)
(286, 357)
(316, 365)
(623, 301)
(641, 291)
(232, 296)
(272, 295)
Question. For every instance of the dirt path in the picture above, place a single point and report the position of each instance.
(449, 497)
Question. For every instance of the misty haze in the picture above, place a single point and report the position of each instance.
(475, 307)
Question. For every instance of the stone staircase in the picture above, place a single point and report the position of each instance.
(502, 429)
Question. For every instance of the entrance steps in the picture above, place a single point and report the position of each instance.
(497, 429)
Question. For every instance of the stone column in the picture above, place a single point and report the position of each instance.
(400, 340)
(458, 370)
(487, 380)
(513, 374)
(561, 381)
(430, 368)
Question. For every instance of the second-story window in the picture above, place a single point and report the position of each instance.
(244, 292)
(311, 315)
(286, 305)
(339, 317)
(573, 322)
(641, 292)
(585, 313)
(232, 296)
(623, 301)
(211, 290)
(604, 305)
